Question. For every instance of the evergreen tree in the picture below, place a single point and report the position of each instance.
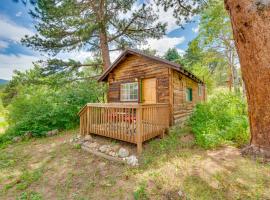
(172, 54)
(98, 26)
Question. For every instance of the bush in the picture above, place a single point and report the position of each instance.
(40, 108)
(223, 119)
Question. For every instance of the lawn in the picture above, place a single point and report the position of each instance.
(53, 168)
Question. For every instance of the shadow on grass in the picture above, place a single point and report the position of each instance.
(170, 146)
(197, 188)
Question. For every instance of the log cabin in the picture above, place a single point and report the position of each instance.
(146, 94)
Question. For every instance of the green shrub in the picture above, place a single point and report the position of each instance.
(223, 119)
(39, 109)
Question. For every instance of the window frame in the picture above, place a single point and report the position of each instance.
(189, 94)
(127, 97)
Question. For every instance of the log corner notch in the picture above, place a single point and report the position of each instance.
(251, 30)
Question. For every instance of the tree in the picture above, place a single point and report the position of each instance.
(172, 54)
(251, 29)
(98, 26)
(215, 34)
(204, 63)
(183, 10)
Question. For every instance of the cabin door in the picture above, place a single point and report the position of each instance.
(149, 91)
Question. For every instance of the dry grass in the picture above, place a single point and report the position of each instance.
(51, 168)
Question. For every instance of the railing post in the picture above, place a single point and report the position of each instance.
(88, 120)
(139, 129)
(81, 128)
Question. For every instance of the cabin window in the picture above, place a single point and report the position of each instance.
(189, 94)
(129, 91)
(200, 90)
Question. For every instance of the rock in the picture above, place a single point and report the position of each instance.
(181, 194)
(123, 152)
(104, 148)
(88, 138)
(93, 145)
(28, 135)
(52, 133)
(112, 153)
(132, 160)
(17, 139)
(72, 140)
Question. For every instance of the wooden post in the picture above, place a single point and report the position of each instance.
(81, 132)
(139, 129)
(88, 121)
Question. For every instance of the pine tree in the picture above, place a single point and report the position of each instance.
(251, 29)
(99, 26)
(172, 54)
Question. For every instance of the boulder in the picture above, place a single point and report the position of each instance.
(52, 132)
(123, 152)
(17, 139)
(104, 148)
(93, 145)
(112, 153)
(132, 160)
(28, 134)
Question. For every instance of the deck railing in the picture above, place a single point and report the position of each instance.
(134, 123)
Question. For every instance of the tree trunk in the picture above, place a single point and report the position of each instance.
(103, 39)
(104, 49)
(230, 78)
(250, 21)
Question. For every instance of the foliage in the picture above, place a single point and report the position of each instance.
(215, 34)
(223, 119)
(96, 26)
(213, 48)
(39, 108)
(30, 196)
(172, 54)
(183, 10)
(140, 193)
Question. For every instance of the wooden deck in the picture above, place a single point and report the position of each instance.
(134, 123)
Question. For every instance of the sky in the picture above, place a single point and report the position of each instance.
(15, 22)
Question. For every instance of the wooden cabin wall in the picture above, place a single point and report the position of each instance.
(137, 67)
(182, 108)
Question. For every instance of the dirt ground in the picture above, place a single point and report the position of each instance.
(53, 168)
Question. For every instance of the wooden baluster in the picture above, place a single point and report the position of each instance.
(139, 130)
(117, 122)
(90, 119)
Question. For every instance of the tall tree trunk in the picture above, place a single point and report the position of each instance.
(104, 49)
(251, 29)
(103, 39)
(230, 78)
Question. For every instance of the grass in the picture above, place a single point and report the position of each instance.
(51, 168)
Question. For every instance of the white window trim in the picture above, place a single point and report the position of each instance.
(128, 99)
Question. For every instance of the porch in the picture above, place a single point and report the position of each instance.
(130, 122)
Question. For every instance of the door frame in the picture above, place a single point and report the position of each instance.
(141, 88)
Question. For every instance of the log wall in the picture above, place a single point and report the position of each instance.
(171, 85)
(181, 107)
(134, 68)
